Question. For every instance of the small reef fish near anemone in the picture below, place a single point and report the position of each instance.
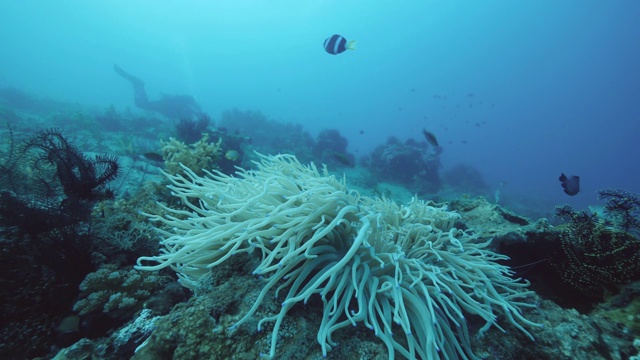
(342, 159)
(337, 44)
(153, 156)
(232, 155)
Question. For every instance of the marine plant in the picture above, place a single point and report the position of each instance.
(405, 272)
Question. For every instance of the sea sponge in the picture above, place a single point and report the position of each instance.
(398, 269)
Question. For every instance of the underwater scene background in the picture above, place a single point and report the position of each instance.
(225, 179)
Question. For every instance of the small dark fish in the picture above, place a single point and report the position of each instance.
(153, 156)
(337, 44)
(431, 139)
(570, 184)
(342, 159)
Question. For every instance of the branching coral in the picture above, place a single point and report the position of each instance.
(396, 269)
(200, 155)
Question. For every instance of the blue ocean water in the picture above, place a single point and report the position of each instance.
(521, 90)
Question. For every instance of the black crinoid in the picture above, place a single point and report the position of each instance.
(51, 184)
(600, 252)
(622, 210)
(79, 177)
(47, 191)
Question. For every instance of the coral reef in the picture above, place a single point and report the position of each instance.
(110, 120)
(268, 136)
(18, 99)
(203, 326)
(119, 231)
(47, 191)
(191, 130)
(409, 163)
(579, 263)
(60, 222)
(272, 137)
(396, 269)
(623, 309)
(331, 148)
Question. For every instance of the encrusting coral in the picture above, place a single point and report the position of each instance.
(396, 269)
(110, 290)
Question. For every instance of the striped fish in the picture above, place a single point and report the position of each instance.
(336, 44)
